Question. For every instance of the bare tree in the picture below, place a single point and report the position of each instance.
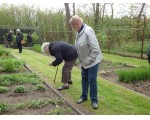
(96, 14)
(74, 9)
(70, 38)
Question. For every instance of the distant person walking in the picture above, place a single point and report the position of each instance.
(29, 40)
(9, 38)
(19, 37)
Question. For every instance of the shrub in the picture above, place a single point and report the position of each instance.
(4, 52)
(11, 64)
(37, 48)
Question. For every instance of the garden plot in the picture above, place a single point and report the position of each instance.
(108, 72)
(24, 93)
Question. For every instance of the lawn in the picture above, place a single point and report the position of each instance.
(113, 99)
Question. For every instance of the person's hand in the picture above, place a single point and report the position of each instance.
(50, 64)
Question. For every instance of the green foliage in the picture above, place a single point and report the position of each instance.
(40, 87)
(11, 64)
(3, 89)
(57, 111)
(35, 38)
(136, 74)
(37, 48)
(6, 80)
(37, 103)
(3, 107)
(103, 39)
(4, 52)
(20, 89)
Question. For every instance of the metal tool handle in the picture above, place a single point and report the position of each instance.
(55, 74)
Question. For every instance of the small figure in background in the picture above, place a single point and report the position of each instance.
(19, 37)
(148, 55)
(9, 39)
(29, 40)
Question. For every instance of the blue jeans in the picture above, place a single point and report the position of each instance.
(89, 79)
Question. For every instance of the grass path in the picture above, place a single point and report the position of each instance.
(113, 99)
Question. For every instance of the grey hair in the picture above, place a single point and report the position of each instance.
(44, 46)
(76, 19)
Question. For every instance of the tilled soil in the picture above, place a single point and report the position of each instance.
(12, 98)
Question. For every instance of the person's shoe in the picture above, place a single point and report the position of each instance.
(70, 82)
(81, 100)
(63, 88)
(95, 105)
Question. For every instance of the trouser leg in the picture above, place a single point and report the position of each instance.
(66, 71)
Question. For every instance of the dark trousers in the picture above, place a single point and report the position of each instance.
(19, 45)
(89, 80)
(66, 71)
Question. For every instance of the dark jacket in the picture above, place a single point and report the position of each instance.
(29, 38)
(148, 55)
(62, 51)
(9, 37)
(19, 37)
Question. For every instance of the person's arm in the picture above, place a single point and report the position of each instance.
(94, 46)
(58, 57)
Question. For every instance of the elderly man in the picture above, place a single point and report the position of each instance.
(62, 52)
(89, 56)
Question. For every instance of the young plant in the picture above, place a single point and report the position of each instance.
(37, 103)
(57, 111)
(3, 107)
(3, 89)
(40, 87)
(20, 89)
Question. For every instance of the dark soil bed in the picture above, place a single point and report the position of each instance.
(11, 98)
(107, 71)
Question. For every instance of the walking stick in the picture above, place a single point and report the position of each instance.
(55, 74)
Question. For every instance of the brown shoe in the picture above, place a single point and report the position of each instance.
(63, 87)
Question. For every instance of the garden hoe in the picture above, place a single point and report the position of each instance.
(56, 74)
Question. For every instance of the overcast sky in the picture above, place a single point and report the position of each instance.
(43, 4)
(60, 3)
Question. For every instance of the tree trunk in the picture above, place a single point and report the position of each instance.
(96, 15)
(74, 12)
(70, 38)
(139, 22)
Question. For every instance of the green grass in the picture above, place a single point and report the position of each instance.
(128, 60)
(113, 99)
